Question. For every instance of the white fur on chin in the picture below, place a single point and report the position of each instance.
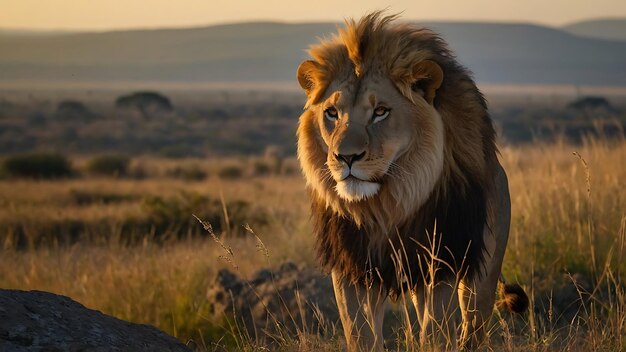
(353, 190)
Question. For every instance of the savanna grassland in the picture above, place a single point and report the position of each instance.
(123, 239)
(566, 245)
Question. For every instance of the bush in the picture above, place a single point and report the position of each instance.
(230, 172)
(109, 165)
(174, 214)
(289, 170)
(37, 165)
(191, 173)
(260, 168)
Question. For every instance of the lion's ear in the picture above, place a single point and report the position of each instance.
(307, 73)
(427, 78)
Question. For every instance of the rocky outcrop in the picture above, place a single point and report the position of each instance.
(42, 321)
(286, 300)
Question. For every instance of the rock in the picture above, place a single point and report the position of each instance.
(286, 300)
(42, 321)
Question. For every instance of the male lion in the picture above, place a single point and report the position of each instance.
(407, 192)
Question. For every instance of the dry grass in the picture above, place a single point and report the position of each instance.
(566, 246)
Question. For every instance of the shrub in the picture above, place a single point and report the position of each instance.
(289, 170)
(174, 214)
(191, 173)
(109, 165)
(260, 168)
(230, 172)
(37, 165)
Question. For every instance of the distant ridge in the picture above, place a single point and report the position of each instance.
(610, 28)
(268, 51)
(36, 32)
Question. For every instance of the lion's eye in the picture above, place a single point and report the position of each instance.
(380, 113)
(331, 114)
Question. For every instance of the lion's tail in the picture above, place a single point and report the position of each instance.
(512, 297)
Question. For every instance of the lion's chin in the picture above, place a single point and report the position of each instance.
(354, 190)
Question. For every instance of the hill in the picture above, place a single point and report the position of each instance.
(610, 29)
(496, 53)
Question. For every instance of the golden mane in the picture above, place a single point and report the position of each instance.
(375, 44)
(350, 234)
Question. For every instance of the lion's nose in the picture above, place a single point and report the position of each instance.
(349, 159)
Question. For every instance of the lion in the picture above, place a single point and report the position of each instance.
(407, 194)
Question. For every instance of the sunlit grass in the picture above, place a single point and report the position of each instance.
(566, 246)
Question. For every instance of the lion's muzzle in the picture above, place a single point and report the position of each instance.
(349, 158)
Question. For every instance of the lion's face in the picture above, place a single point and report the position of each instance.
(372, 139)
(365, 129)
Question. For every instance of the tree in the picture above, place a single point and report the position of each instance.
(591, 103)
(71, 110)
(145, 102)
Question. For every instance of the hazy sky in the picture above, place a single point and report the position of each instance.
(118, 14)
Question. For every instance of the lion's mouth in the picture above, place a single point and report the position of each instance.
(361, 178)
(351, 177)
(354, 189)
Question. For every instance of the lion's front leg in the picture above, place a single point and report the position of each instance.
(439, 320)
(361, 310)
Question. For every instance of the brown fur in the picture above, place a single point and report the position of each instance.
(360, 240)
